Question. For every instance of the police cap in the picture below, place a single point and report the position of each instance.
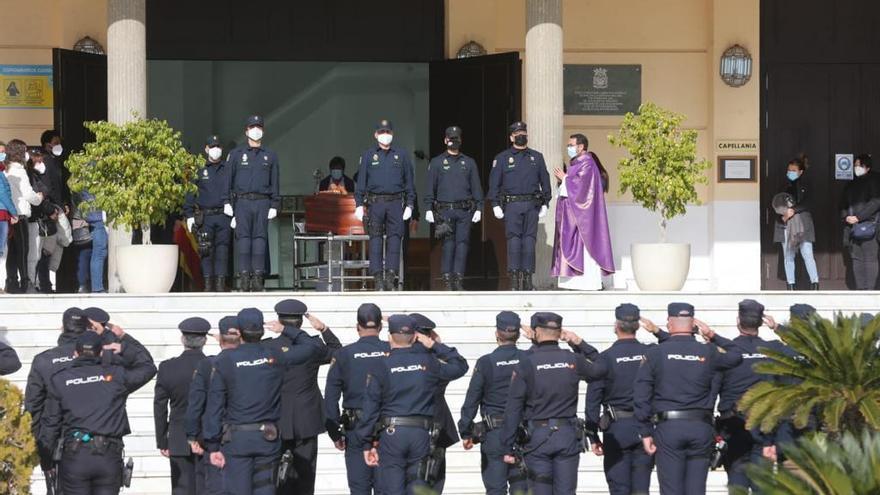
(680, 309)
(453, 132)
(422, 322)
(548, 320)
(291, 307)
(751, 308)
(401, 324)
(384, 125)
(627, 312)
(518, 126)
(802, 311)
(507, 321)
(74, 320)
(254, 121)
(89, 341)
(213, 141)
(250, 320)
(97, 314)
(369, 316)
(194, 326)
(227, 323)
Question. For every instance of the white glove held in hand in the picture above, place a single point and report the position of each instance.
(227, 210)
(429, 216)
(478, 215)
(543, 211)
(499, 213)
(407, 213)
(189, 223)
(359, 213)
(232, 224)
(272, 213)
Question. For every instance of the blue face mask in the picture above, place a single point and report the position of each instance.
(336, 174)
(2, 156)
(792, 176)
(572, 151)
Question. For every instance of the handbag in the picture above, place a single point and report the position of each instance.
(864, 231)
(79, 230)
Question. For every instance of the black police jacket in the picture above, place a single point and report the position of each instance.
(9, 362)
(44, 365)
(489, 385)
(172, 387)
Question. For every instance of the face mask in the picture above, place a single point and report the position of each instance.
(521, 140)
(255, 133)
(792, 176)
(40, 167)
(572, 151)
(860, 171)
(454, 144)
(27, 156)
(385, 139)
(2, 156)
(57, 150)
(215, 153)
(336, 174)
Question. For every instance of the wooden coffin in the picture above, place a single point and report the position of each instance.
(330, 212)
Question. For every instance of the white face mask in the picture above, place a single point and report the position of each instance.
(40, 167)
(860, 171)
(57, 150)
(254, 133)
(215, 153)
(385, 139)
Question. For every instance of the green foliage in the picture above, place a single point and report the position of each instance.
(662, 169)
(138, 172)
(835, 375)
(18, 450)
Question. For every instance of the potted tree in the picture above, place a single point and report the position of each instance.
(662, 172)
(139, 173)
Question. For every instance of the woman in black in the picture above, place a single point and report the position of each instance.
(794, 229)
(861, 204)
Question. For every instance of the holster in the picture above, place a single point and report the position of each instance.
(284, 468)
(605, 420)
(442, 228)
(478, 432)
(431, 466)
(225, 435)
(198, 217)
(127, 472)
(373, 228)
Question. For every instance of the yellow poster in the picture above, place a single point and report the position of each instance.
(26, 86)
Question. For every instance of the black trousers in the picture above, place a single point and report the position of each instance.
(17, 255)
(187, 475)
(865, 264)
(305, 460)
(91, 471)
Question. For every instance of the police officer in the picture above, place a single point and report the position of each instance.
(228, 338)
(86, 412)
(244, 405)
(400, 400)
(519, 189)
(302, 407)
(346, 378)
(205, 211)
(674, 383)
(488, 392)
(385, 187)
(172, 386)
(253, 180)
(544, 395)
(9, 362)
(454, 199)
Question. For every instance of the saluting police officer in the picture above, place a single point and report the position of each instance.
(401, 400)
(204, 211)
(302, 411)
(454, 199)
(244, 405)
(172, 387)
(86, 413)
(519, 189)
(253, 180)
(543, 394)
(674, 383)
(488, 391)
(385, 187)
(347, 378)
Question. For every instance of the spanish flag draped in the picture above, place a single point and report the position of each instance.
(189, 254)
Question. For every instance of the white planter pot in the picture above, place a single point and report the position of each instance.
(147, 269)
(661, 267)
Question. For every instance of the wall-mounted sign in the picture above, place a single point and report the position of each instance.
(843, 166)
(26, 86)
(601, 89)
(737, 168)
(737, 146)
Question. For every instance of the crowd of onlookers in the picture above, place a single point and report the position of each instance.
(41, 221)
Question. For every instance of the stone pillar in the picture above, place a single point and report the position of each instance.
(543, 83)
(126, 87)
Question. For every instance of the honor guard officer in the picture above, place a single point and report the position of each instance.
(172, 387)
(253, 179)
(346, 378)
(229, 338)
(400, 404)
(543, 395)
(674, 383)
(454, 199)
(302, 407)
(385, 187)
(204, 211)
(519, 189)
(488, 391)
(86, 413)
(244, 405)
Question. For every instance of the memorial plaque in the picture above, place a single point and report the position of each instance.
(602, 89)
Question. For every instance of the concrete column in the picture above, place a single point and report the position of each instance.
(543, 83)
(126, 87)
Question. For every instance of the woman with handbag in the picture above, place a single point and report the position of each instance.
(861, 204)
(794, 229)
(8, 213)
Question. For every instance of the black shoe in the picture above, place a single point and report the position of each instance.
(209, 284)
(789, 287)
(390, 280)
(814, 286)
(458, 282)
(83, 290)
(379, 278)
(514, 280)
(244, 282)
(220, 284)
(29, 288)
(526, 281)
(448, 283)
(257, 282)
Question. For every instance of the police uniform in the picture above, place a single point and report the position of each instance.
(385, 187)
(244, 405)
(9, 362)
(520, 184)
(488, 392)
(213, 186)
(302, 411)
(86, 412)
(453, 195)
(674, 383)
(172, 388)
(543, 396)
(253, 192)
(401, 400)
(346, 379)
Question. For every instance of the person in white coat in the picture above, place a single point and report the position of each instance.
(24, 196)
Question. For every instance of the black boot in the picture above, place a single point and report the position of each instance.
(514, 279)
(29, 287)
(379, 278)
(390, 280)
(220, 284)
(814, 286)
(209, 284)
(458, 282)
(257, 282)
(789, 287)
(448, 283)
(527, 281)
(244, 282)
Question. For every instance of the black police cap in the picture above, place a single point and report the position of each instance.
(750, 307)
(291, 307)
(507, 321)
(548, 320)
(422, 322)
(802, 311)
(518, 126)
(194, 326)
(369, 316)
(74, 320)
(384, 125)
(97, 314)
(401, 324)
(453, 132)
(254, 120)
(212, 141)
(89, 341)
(627, 312)
(250, 320)
(227, 323)
(677, 309)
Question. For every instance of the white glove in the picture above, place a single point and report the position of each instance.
(104, 216)
(227, 210)
(478, 215)
(189, 223)
(407, 213)
(429, 216)
(499, 213)
(543, 211)
(359, 213)
(232, 223)
(272, 213)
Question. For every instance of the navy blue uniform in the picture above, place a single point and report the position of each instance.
(544, 394)
(213, 183)
(488, 391)
(454, 193)
(676, 379)
(347, 379)
(253, 189)
(520, 184)
(192, 423)
(9, 362)
(404, 385)
(385, 186)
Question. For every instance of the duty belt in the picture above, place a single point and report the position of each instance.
(384, 198)
(516, 198)
(620, 413)
(454, 205)
(252, 196)
(693, 414)
(732, 413)
(212, 211)
(493, 421)
(423, 422)
(539, 423)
